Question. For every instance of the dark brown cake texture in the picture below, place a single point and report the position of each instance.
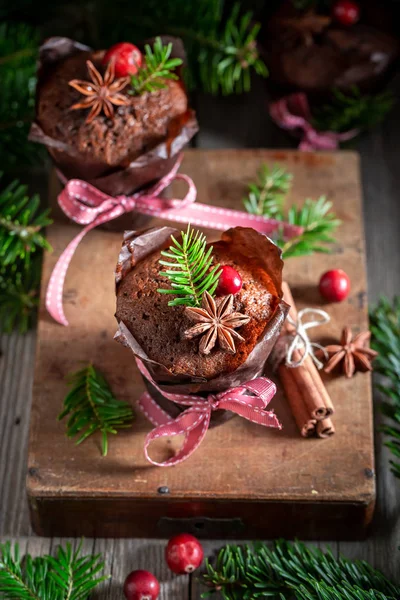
(137, 146)
(326, 55)
(158, 328)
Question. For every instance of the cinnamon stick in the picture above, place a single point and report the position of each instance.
(308, 398)
(306, 376)
(304, 422)
(325, 428)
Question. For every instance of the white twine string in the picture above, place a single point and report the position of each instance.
(301, 340)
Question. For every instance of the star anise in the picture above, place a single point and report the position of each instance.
(353, 353)
(216, 322)
(101, 93)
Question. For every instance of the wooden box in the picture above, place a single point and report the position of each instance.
(244, 481)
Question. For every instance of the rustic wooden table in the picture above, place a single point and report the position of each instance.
(231, 122)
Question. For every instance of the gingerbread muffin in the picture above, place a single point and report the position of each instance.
(132, 140)
(182, 343)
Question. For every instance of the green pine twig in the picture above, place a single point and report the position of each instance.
(226, 58)
(190, 271)
(158, 67)
(91, 407)
(66, 576)
(293, 571)
(18, 55)
(353, 110)
(318, 224)
(385, 328)
(21, 222)
(266, 196)
(19, 295)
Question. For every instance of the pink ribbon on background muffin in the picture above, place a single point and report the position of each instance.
(293, 113)
(193, 423)
(86, 205)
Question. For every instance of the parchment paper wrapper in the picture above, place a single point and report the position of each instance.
(256, 249)
(129, 176)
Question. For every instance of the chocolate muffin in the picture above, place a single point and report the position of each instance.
(139, 144)
(107, 143)
(159, 329)
(306, 50)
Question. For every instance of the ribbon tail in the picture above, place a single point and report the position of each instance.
(55, 287)
(191, 424)
(155, 414)
(266, 418)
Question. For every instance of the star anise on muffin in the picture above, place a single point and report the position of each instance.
(353, 353)
(101, 92)
(215, 322)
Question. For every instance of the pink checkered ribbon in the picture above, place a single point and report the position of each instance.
(293, 112)
(86, 205)
(249, 400)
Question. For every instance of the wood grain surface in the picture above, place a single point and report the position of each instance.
(280, 483)
(226, 122)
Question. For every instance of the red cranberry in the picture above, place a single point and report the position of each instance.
(334, 285)
(346, 12)
(229, 282)
(184, 554)
(127, 57)
(141, 585)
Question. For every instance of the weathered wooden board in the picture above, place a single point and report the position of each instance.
(244, 481)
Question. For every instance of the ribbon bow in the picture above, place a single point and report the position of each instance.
(293, 112)
(301, 340)
(86, 205)
(194, 421)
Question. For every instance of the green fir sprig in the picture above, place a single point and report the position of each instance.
(18, 56)
(353, 110)
(19, 294)
(91, 407)
(293, 571)
(385, 328)
(318, 222)
(21, 222)
(267, 197)
(190, 269)
(66, 576)
(157, 68)
(225, 60)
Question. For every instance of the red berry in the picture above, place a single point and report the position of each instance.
(184, 554)
(127, 57)
(229, 282)
(141, 585)
(334, 285)
(346, 12)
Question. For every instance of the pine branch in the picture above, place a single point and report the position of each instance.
(353, 111)
(220, 44)
(158, 67)
(293, 571)
(191, 272)
(67, 576)
(18, 54)
(318, 223)
(267, 197)
(385, 328)
(19, 295)
(268, 194)
(20, 224)
(91, 406)
(226, 59)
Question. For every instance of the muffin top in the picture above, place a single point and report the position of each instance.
(159, 328)
(135, 129)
